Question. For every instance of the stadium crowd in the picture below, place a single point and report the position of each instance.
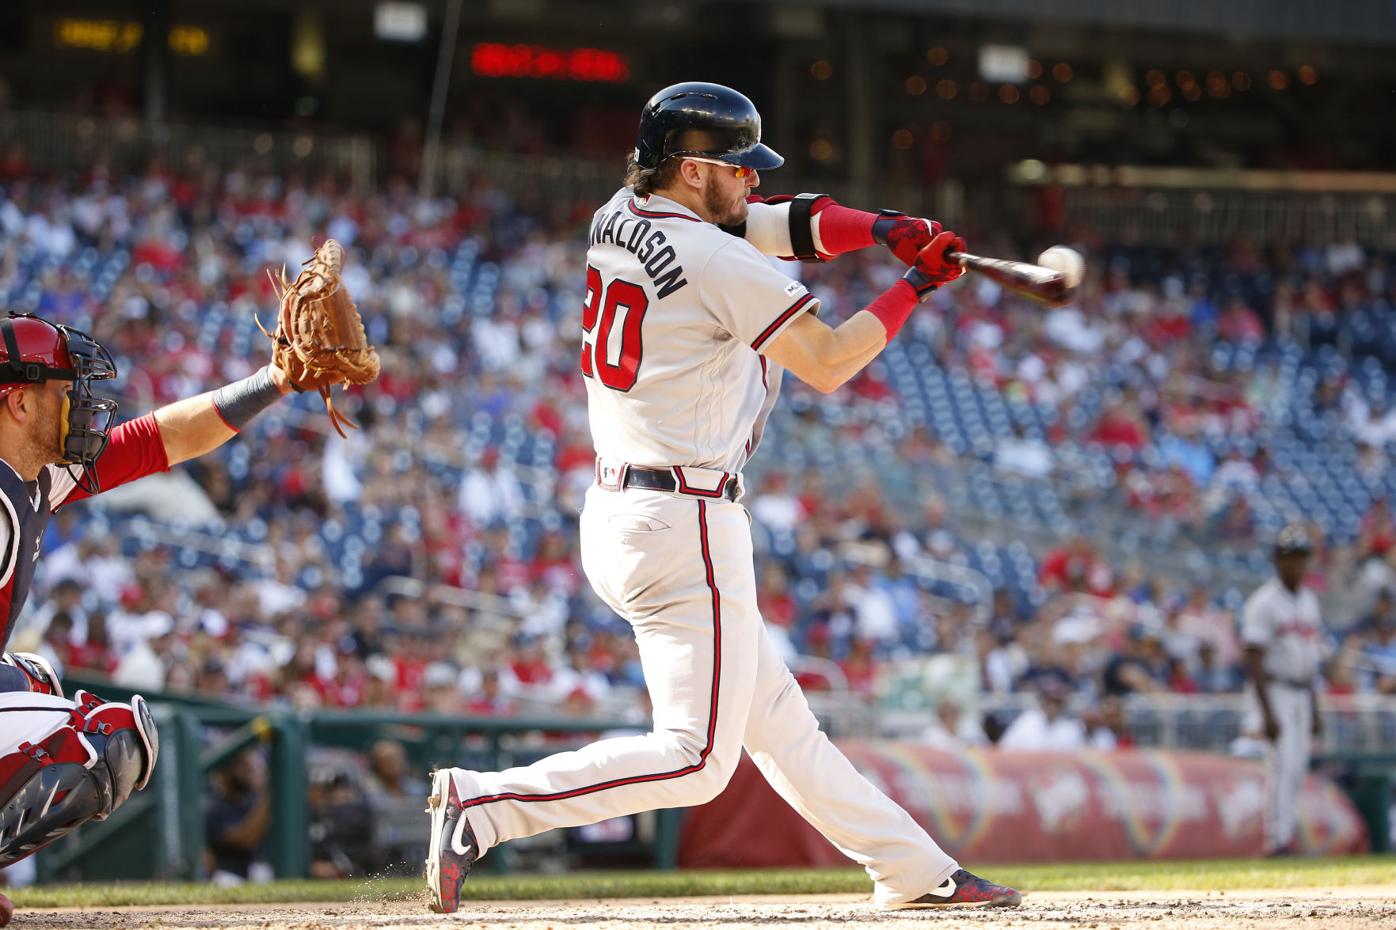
(474, 451)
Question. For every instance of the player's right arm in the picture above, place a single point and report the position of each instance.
(1255, 633)
(825, 357)
(816, 228)
(175, 433)
(1254, 660)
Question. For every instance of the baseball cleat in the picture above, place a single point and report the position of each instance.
(453, 847)
(965, 889)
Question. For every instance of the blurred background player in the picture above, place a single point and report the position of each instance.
(66, 761)
(1281, 629)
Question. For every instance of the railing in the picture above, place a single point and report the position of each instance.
(1099, 515)
(160, 832)
(67, 142)
(149, 532)
(1148, 205)
(1176, 206)
(1360, 723)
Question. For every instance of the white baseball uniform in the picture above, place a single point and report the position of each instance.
(676, 315)
(1287, 626)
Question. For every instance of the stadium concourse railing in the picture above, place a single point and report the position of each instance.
(74, 142)
(1172, 206)
(1128, 203)
(159, 833)
(77, 142)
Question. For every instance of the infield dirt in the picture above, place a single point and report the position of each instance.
(1358, 908)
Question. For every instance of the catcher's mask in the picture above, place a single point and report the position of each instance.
(33, 351)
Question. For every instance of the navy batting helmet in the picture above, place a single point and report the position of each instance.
(728, 117)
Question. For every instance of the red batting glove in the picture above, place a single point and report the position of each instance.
(931, 268)
(904, 235)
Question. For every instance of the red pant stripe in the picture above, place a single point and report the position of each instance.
(712, 704)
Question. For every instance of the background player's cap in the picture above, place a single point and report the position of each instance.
(1293, 540)
(729, 118)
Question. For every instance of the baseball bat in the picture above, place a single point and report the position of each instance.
(1041, 284)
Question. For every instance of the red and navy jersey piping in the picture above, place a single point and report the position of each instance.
(780, 321)
(659, 214)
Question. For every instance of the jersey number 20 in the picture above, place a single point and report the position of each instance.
(612, 356)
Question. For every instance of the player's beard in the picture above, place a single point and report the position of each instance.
(720, 205)
(55, 422)
(44, 443)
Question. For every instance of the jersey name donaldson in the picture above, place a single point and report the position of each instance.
(639, 237)
(675, 317)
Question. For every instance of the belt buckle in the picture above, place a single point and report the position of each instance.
(611, 477)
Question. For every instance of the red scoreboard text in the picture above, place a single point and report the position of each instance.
(496, 59)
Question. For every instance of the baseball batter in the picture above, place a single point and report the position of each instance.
(65, 761)
(1281, 629)
(687, 328)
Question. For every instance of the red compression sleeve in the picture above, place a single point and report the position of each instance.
(893, 307)
(842, 229)
(136, 449)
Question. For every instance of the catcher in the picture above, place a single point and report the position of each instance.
(67, 760)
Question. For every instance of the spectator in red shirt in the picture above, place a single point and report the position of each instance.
(530, 665)
(1076, 567)
(489, 702)
(1239, 323)
(1121, 424)
(860, 667)
(96, 654)
(1376, 534)
(774, 600)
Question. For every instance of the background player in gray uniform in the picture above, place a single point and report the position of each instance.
(1281, 629)
(687, 328)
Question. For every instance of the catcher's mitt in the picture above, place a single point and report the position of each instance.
(319, 340)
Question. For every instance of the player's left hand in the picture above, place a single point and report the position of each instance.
(320, 340)
(904, 235)
(932, 268)
(281, 380)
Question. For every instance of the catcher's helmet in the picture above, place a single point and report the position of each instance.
(729, 118)
(32, 351)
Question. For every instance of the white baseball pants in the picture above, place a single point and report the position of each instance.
(1287, 762)
(681, 571)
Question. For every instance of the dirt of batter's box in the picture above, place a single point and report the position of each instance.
(1366, 908)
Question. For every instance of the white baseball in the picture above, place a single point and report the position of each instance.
(1068, 261)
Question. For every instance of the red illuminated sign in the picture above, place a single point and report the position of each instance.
(495, 59)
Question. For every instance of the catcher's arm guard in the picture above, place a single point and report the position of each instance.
(320, 340)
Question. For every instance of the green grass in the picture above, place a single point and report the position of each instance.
(1212, 875)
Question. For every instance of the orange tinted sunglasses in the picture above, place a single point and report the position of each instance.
(742, 170)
